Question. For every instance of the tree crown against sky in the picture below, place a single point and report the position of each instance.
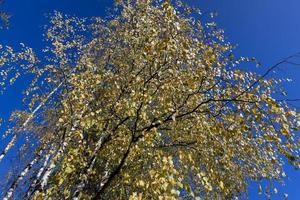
(149, 103)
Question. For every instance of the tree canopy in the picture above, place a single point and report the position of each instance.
(148, 103)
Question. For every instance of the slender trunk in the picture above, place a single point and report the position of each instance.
(14, 185)
(23, 126)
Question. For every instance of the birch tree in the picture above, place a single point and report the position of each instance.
(148, 103)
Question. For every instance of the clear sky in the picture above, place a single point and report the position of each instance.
(266, 29)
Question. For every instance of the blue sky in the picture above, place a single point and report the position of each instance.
(266, 29)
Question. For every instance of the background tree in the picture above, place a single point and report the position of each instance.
(4, 16)
(148, 103)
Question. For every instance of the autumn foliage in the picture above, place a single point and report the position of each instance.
(149, 103)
